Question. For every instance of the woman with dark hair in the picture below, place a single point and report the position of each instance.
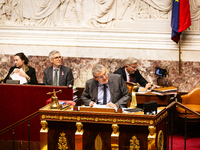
(21, 67)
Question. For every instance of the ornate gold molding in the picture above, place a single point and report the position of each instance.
(100, 119)
(98, 143)
(62, 142)
(151, 138)
(134, 143)
(160, 140)
(161, 117)
(79, 127)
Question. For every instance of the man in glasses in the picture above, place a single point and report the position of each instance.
(105, 89)
(130, 73)
(57, 74)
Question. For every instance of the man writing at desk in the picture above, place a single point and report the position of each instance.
(130, 73)
(105, 89)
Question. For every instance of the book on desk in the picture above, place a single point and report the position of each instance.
(165, 90)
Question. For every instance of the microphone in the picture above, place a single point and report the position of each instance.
(66, 106)
(76, 100)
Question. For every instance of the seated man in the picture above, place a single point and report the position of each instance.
(57, 74)
(130, 73)
(105, 89)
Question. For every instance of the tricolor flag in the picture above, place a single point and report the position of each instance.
(181, 19)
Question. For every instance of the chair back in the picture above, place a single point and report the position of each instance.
(193, 97)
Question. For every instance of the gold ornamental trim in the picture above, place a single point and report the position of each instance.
(134, 143)
(43, 116)
(161, 117)
(160, 140)
(87, 118)
(98, 143)
(62, 142)
(123, 120)
(78, 118)
(141, 121)
(61, 117)
(97, 119)
(151, 122)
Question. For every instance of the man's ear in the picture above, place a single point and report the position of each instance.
(95, 78)
(51, 60)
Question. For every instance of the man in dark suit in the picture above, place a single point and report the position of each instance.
(57, 74)
(105, 89)
(130, 73)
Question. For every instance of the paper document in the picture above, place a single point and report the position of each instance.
(100, 106)
(16, 76)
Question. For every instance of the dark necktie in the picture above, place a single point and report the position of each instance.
(55, 78)
(104, 95)
(130, 78)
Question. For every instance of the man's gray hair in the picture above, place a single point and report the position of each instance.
(97, 69)
(130, 61)
(52, 53)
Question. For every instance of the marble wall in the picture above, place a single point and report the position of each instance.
(186, 81)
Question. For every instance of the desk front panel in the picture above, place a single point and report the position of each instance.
(100, 125)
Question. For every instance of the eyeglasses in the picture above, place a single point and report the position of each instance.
(57, 57)
(133, 67)
(101, 77)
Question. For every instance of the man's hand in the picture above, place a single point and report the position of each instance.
(111, 105)
(91, 104)
(155, 87)
(148, 85)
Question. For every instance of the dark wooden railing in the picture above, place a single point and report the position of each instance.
(170, 113)
(18, 123)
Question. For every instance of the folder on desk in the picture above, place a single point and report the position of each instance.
(166, 89)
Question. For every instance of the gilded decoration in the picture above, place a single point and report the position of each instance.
(161, 117)
(78, 118)
(151, 138)
(61, 117)
(44, 125)
(62, 142)
(160, 140)
(151, 121)
(98, 143)
(96, 119)
(115, 128)
(43, 116)
(79, 127)
(134, 143)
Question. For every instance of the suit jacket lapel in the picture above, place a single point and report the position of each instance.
(61, 76)
(110, 82)
(51, 75)
(95, 91)
(124, 73)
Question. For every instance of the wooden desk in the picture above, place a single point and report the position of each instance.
(149, 96)
(141, 98)
(61, 130)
